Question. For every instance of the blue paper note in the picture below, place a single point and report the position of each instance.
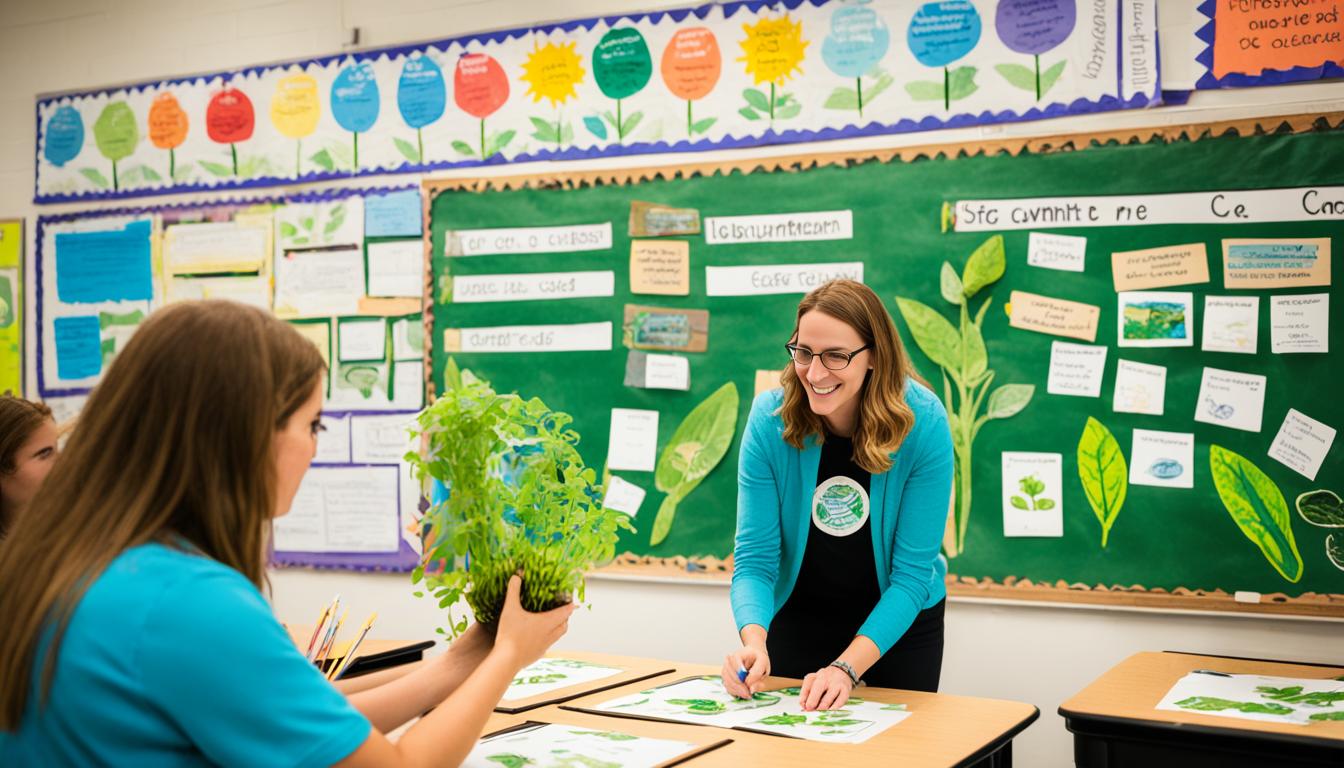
(112, 265)
(396, 214)
(79, 352)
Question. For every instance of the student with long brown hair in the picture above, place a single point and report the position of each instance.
(135, 629)
(27, 451)
(843, 486)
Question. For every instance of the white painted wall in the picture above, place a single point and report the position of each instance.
(1032, 653)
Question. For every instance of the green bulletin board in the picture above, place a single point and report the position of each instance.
(1166, 547)
(11, 306)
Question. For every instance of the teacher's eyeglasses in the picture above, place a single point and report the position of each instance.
(831, 359)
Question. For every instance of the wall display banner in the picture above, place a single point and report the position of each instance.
(1258, 42)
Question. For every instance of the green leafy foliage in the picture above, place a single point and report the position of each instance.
(700, 126)
(497, 141)
(959, 350)
(217, 169)
(700, 442)
(961, 83)
(1258, 508)
(783, 718)
(551, 132)
(1018, 76)
(1320, 716)
(1050, 76)
(95, 176)
(1215, 704)
(410, 151)
(1102, 469)
(521, 501)
(1293, 695)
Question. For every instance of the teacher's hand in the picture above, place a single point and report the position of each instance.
(827, 688)
(752, 658)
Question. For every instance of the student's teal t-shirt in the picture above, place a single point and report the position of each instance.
(173, 659)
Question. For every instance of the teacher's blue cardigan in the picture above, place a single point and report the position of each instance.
(909, 504)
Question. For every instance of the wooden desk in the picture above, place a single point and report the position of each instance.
(943, 730)
(1115, 723)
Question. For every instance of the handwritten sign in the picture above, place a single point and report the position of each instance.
(661, 267)
(1251, 37)
(1058, 317)
(1261, 263)
(1160, 267)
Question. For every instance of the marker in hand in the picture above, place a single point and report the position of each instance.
(741, 673)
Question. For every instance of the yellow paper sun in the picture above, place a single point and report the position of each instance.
(552, 71)
(774, 49)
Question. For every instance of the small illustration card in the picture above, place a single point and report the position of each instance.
(1299, 323)
(665, 328)
(1139, 388)
(1051, 251)
(1302, 443)
(1276, 263)
(1155, 319)
(1231, 324)
(1160, 267)
(654, 220)
(1033, 499)
(1231, 399)
(1165, 459)
(1076, 369)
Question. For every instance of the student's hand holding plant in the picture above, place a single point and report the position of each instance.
(524, 636)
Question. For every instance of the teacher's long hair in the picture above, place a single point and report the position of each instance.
(176, 445)
(884, 417)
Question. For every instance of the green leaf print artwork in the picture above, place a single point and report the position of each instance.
(700, 442)
(1258, 508)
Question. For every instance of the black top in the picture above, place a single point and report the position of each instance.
(837, 585)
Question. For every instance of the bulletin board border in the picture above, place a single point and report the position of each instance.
(713, 570)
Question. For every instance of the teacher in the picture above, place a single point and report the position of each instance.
(843, 481)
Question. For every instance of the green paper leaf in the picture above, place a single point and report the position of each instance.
(934, 335)
(1334, 550)
(288, 230)
(1321, 508)
(977, 358)
(1257, 507)
(788, 111)
(843, 98)
(961, 83)
(698, 445)
(1215, 704)
(1318, 716)
(463, 148)
(1031, 485)
(1009, 400)
(925, 90)
(1018, 76)
(1044, 504)
(407, 149)
(93, 175)
(884, 82)
(748, 113)
(1102, 469)
(566, 133)
(545, 130)
(217, 169)
(1051, 75)
(323, 160)
(757, 99)
(1019, 502)
(984, 266)
(631, 122)
(949, 283)
(700, 126)
(498, 141)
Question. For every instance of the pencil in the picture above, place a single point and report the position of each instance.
(331, 639)
(350, 652)
(317, 628)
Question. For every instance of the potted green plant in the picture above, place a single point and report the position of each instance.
(520, 500)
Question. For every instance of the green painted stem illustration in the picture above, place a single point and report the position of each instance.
(947, 89)
(172, 163)
(233, 152)
(772, 101)
(298, 158)
(1037, 57)
(356, 135)
(620, 123)
(689, 121)
(422, 148)
(960, 352)
(114, 174)
(858, 88)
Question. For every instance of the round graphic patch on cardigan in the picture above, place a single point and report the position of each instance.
(839, 506)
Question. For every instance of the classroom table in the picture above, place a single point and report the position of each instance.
(943, 730)
(1115, 723)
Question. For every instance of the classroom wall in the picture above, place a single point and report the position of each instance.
(1040, 654)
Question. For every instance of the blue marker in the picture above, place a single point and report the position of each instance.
(741, 673)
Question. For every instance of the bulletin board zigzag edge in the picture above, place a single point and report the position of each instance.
(712, 570)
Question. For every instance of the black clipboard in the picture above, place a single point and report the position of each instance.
(395, 657)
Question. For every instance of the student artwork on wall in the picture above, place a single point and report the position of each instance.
(11, 306)
(302, 257)
(717, 76)
(1249, 44)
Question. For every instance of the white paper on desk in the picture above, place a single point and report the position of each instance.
(362, 339)
(1165, 459)
(623, 496)
(408, 385)
(1139, 388)
(1231, 399)
(551, 745)
(776, 711)
(1076, 369)
(546, 675)
(319, 283)
(633, 443)
(397, 268)
(1299, 323)
(380, 439)
(1294, 700)
(1052, 251)
(201, 248)
(333, 444)
(342, 509)
(1302, 443)
(1231, 324)
(1033, 498)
